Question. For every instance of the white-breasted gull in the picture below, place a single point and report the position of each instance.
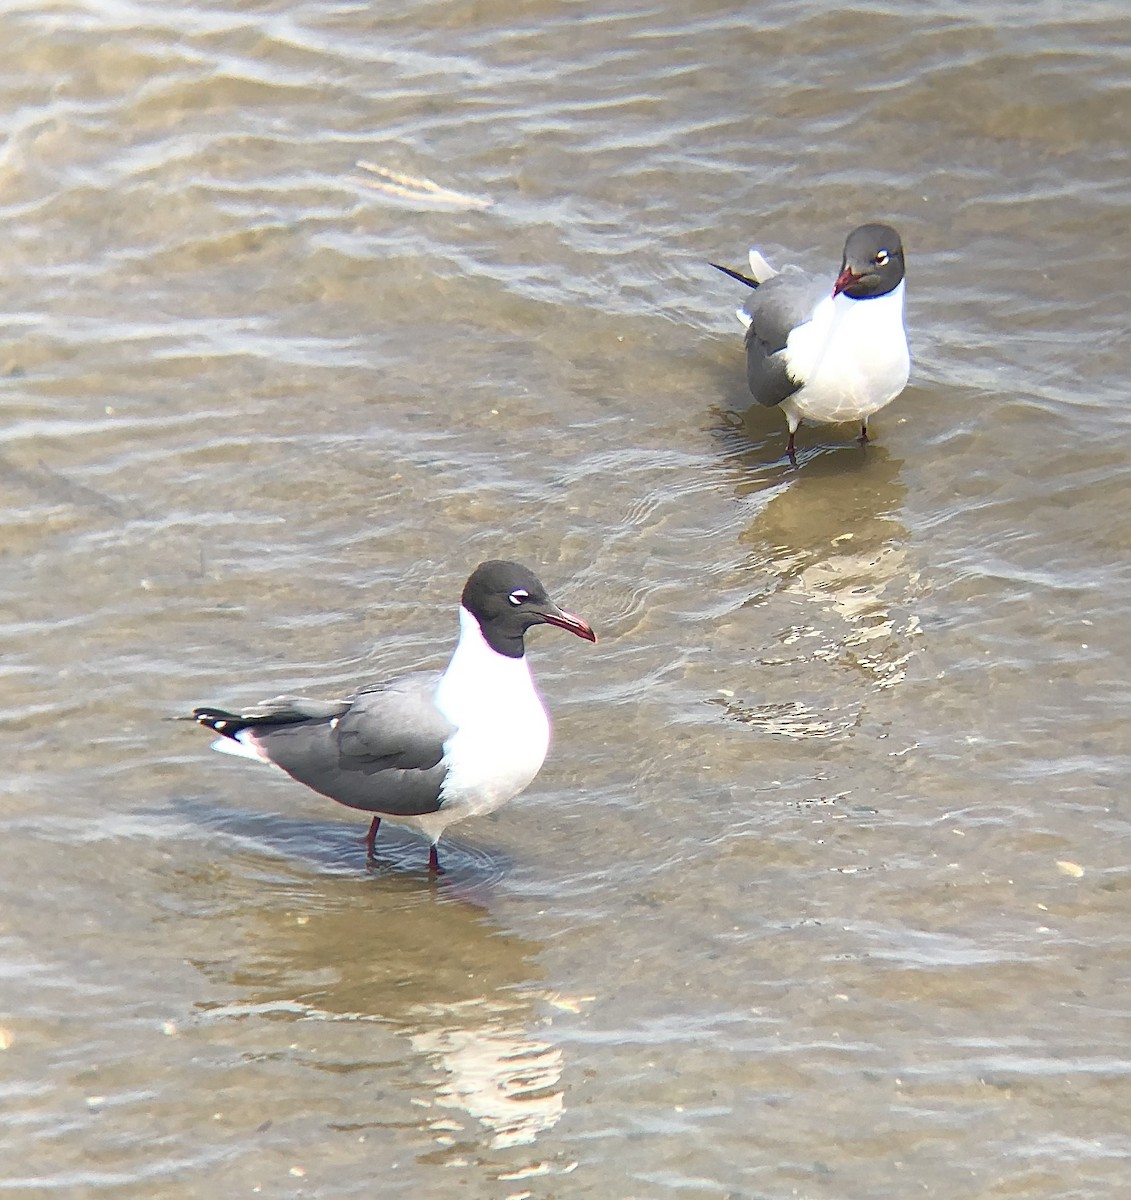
(828, 354)
(427, 749)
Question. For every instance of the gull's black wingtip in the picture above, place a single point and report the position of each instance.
(219, 721)
(750, 283)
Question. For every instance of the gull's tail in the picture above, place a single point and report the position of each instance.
(750, 283)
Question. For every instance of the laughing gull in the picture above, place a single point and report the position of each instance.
(830, 356)
(427, 749)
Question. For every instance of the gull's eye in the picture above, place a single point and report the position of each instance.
(882, 258)
(519, 596)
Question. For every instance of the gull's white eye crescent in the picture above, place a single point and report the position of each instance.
(882, 258)
(519, 596)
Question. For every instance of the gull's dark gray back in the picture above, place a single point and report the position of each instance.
(777, 307)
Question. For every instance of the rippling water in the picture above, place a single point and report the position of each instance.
(824, 890)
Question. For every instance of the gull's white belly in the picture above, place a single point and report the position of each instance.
(490, 764)
(853, 357)
(502, 731)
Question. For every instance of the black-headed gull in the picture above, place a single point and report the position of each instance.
(828, 353)
(423, 750)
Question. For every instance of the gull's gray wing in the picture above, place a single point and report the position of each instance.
(381, 751)
(776, 308)
(287, 709)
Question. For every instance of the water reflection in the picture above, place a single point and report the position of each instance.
(834, 537)
(831, 536)
(497, 1074)
(425, 960)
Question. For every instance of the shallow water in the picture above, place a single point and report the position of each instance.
(823, 891)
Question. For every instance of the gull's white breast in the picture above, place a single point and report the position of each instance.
(853, 357)
(503, 732)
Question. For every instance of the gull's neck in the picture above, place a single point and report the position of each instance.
(478, 679)
(887, 308)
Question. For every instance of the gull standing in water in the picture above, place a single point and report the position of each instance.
(828, 355)
(424, 750)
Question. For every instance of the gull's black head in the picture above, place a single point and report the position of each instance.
(506, 599)
(873, 263)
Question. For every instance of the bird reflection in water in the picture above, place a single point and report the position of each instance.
(430, 965)
(830, 537)
(495, 1072)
